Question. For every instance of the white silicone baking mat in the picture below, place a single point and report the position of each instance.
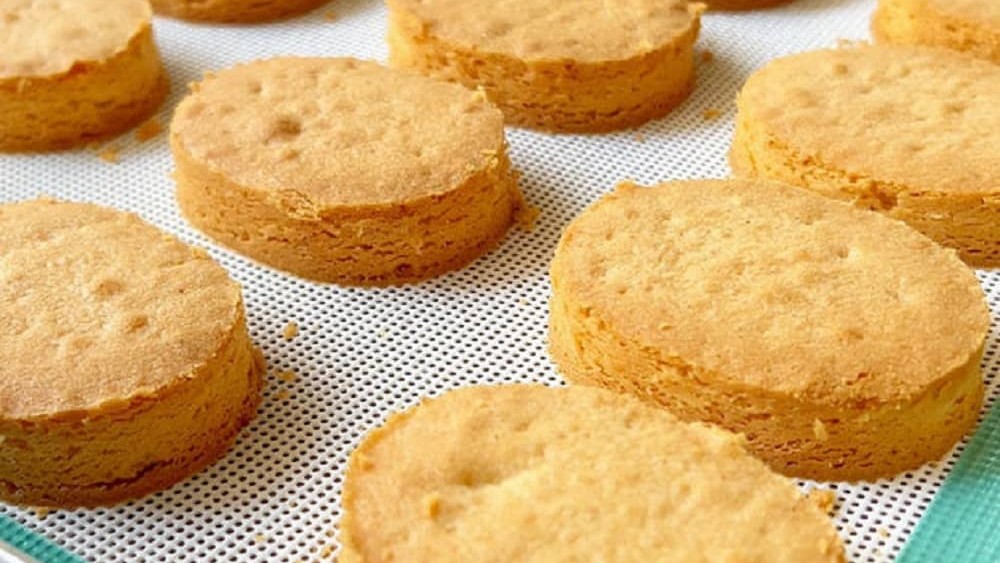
(363, 353)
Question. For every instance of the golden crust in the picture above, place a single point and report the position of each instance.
(147, 339)
(848, 123)
(743, 4)
(542, 64)
(493, 474)
(386, 178)
(764, 308)
(970, 26)
(234, 11)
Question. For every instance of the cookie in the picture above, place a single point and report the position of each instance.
(344, 171)
(843, 344)
(910, 132)
(535, 474)
(234, 11)
(731, 5)
(125, 364)
(75, 71)
(584, 66)
(971, 26)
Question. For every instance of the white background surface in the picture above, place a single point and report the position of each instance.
(363, 353)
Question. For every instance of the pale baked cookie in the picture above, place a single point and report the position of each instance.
(743, 4)
(586, 66)
(843, 344)
(911, 132)
(972, 26)
(344, 171)
(73, 71)
(534, 474)
(125, 364)
(234, 11)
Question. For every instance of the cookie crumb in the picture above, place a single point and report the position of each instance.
(522, 302)
(110, 154)
(260, 538)
(526, 215)
(824, 499)
(883, 532)
(42, 512)
(711, 113)
(638, 136)
(288, 376)
(330, 16)
(282, 395)
(327, 551)
(290, 331)
(148, 130)
(707, 56)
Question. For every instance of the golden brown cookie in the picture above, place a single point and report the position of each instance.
(971, 26)
(585, 66)
(911, 132)
(344, 171)
(75, 71)
(843, 344)
(125, 363)
(535, 474)
(730, 5)
(234, 11)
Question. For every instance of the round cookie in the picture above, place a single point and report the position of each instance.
(843, 344)
(125, 363)
(911, 132)
(743, 4)
(971, 26)
(584, 66)
(535, 474)
(234, 11)
(344, 171)
(75, 71)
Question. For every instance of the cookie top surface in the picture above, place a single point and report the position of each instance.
(99, 308)
(581, 30)
(536, 474)
(980, 11)
(772, 287)
(46, 37)
(878, 110)
(321, 133)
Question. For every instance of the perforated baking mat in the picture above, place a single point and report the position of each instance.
(363, 353)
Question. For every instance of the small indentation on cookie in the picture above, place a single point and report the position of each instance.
(284, 128)
(255, 87)
(108, 288)
(136, 323)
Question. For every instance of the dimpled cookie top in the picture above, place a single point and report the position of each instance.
(98, 308)
(775, 288)
(535, 474)
(46, 37)
(579, 30)
(337, 132)
(985, 11)
(917, 118)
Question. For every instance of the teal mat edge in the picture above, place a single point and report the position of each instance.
(33, 544)
(962, 524)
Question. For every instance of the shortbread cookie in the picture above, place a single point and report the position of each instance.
(585, 66)
(743, 4)
(344, 171)
(972, 26)
(74, 71)
(125, 364)
(535, 474)
(911, 132)
(843, 344)
(234, 11)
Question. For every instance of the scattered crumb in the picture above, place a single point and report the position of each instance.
(148, 130)
(293, 504)
(824, 499)
(638, 136)
(42, 512)
(110, 154)
(711, 113)
(522, 302)
(526, 215)
(382, 333)
(707, 56)
(883, 532)
(287, 376)
(282, 395)
(327, 551)
(819, 430)
(260, 538)
(330, 532)
(330, 16)
(291, 330)
(199, 252)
